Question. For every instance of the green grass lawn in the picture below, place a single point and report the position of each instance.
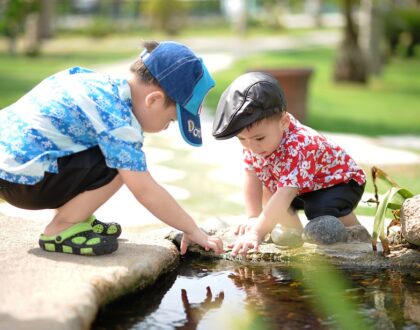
(18, 74)
(388, 104)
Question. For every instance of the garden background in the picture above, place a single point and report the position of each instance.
(365, 76)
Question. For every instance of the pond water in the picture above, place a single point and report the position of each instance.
(219, 294)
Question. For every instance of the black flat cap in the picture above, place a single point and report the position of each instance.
(250, 97)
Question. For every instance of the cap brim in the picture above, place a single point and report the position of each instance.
(190, 126)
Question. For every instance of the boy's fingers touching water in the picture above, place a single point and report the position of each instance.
(244, 243)
(244, 226)
(199, 237)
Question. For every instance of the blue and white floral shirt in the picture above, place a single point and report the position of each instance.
(69, 112)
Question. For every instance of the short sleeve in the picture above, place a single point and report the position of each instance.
(248, 160)
(122, 149)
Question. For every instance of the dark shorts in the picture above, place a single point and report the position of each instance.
(338, 201)
(82, 171)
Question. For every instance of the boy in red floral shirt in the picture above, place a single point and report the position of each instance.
(289, 166)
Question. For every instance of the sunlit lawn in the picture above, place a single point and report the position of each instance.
(19, 74)
(387, 105)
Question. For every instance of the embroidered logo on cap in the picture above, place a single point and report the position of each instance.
(194, 130)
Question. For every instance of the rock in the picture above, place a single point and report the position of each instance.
(58, 291)
(395, 237)
(352, 254)
(358, 233)
(286, 237)
(410, 220)
(325, 230)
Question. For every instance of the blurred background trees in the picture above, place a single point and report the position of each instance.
(372, 30)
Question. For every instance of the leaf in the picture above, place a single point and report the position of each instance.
(377, 173)
(393, 199)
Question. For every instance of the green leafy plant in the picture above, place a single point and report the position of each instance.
(392, 200)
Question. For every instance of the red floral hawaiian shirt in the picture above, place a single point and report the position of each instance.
(305, 160)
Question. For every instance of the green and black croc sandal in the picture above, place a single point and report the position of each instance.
(105, 228)
(79, 239)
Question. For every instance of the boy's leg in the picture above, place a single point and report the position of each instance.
(82, 184)
(81, 207)
(288, 232)
(349, 220)
(329, 211)
(337, 201)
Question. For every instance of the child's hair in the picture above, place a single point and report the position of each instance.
(143, 73)
(273, 116)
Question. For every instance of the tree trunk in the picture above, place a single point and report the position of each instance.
(46, 19)
(372, 33)
(116, 9)
(314, 8)
(242, 22)
(32, 42)
(350, 63)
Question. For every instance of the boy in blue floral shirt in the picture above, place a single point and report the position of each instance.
(76, 138)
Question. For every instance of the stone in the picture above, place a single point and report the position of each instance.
(325, 230)
(58, 291)
(410, 220)
(286, 237)
(358, 233)
(395, 237)
(351, 254)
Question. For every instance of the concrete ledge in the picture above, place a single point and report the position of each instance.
(41, 290)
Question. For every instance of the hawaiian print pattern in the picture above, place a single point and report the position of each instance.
(305, 160)
(69, 112)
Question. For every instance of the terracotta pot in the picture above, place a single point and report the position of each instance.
(294, 82)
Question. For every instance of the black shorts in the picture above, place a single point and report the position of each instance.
(79, 172)
(338, 201)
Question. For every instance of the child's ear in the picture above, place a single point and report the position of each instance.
(154, 98)
(285, 120)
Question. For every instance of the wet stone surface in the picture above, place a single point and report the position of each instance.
(355, 253)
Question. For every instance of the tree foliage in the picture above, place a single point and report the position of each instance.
(13, 16)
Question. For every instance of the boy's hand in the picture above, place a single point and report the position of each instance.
(243, 227)
(207, 242)
(250, 240)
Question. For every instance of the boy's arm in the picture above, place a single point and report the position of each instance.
(253, 200)
(253, 194)
(162, 205)
(274, 210)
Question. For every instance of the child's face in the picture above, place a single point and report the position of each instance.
(156, 116)
(264, 137)
(162, 118)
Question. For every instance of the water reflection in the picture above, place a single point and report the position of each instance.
(276, 296)
(194, 312)
(206, 294)
(389, 298)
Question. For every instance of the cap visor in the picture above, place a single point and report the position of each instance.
(190, 126)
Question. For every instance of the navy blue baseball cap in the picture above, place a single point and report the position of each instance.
(185, 79)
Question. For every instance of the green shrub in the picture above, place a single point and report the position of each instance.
(166, 15)
(100, 27)
(402, 30)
